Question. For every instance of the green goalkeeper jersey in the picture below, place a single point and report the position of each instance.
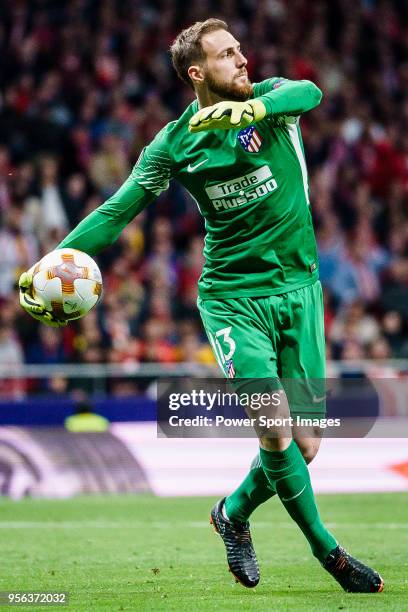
(249, 184)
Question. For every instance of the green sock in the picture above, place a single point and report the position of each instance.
(287, 470)
(251, 493)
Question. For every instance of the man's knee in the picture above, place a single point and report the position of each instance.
(309, 448)
(274, 443)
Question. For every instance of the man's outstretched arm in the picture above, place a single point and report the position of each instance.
(287, 98)
(291, 98)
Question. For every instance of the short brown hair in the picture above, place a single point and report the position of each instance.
(186, 48)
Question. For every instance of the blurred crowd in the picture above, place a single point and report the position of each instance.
(86, 83)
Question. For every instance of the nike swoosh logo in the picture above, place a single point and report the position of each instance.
(191, 168)
(293, 496)
(316, 400)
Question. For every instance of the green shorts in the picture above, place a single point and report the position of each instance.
(280, 336)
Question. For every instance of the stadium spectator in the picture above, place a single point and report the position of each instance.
(392, 326)
(11, 354)
(18, 247)
(10, 349)
(48, 348)
(108, 167)
(52, 209)
(353, 324)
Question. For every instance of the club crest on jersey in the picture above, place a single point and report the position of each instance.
(250, 139)
(229, 365)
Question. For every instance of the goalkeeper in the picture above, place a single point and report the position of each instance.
(238, 150)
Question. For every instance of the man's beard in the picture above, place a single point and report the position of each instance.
(230, 90)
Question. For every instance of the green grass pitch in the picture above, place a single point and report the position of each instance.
(147, 553)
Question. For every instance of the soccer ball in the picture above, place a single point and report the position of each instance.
(68, 283)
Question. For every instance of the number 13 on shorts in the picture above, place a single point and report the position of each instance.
(223, 346)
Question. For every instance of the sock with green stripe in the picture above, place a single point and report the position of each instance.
(251, 493)
(287, 471)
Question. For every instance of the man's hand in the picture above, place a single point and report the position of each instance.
(227, 115)
(35, 309)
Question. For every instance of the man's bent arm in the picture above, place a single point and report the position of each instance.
(102, 226)
(291, 98)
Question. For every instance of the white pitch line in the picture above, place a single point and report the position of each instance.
(172, 525)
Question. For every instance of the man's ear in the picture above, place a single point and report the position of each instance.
(196, 74)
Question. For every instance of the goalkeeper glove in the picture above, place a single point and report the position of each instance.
(227, 115)
(35, 309)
